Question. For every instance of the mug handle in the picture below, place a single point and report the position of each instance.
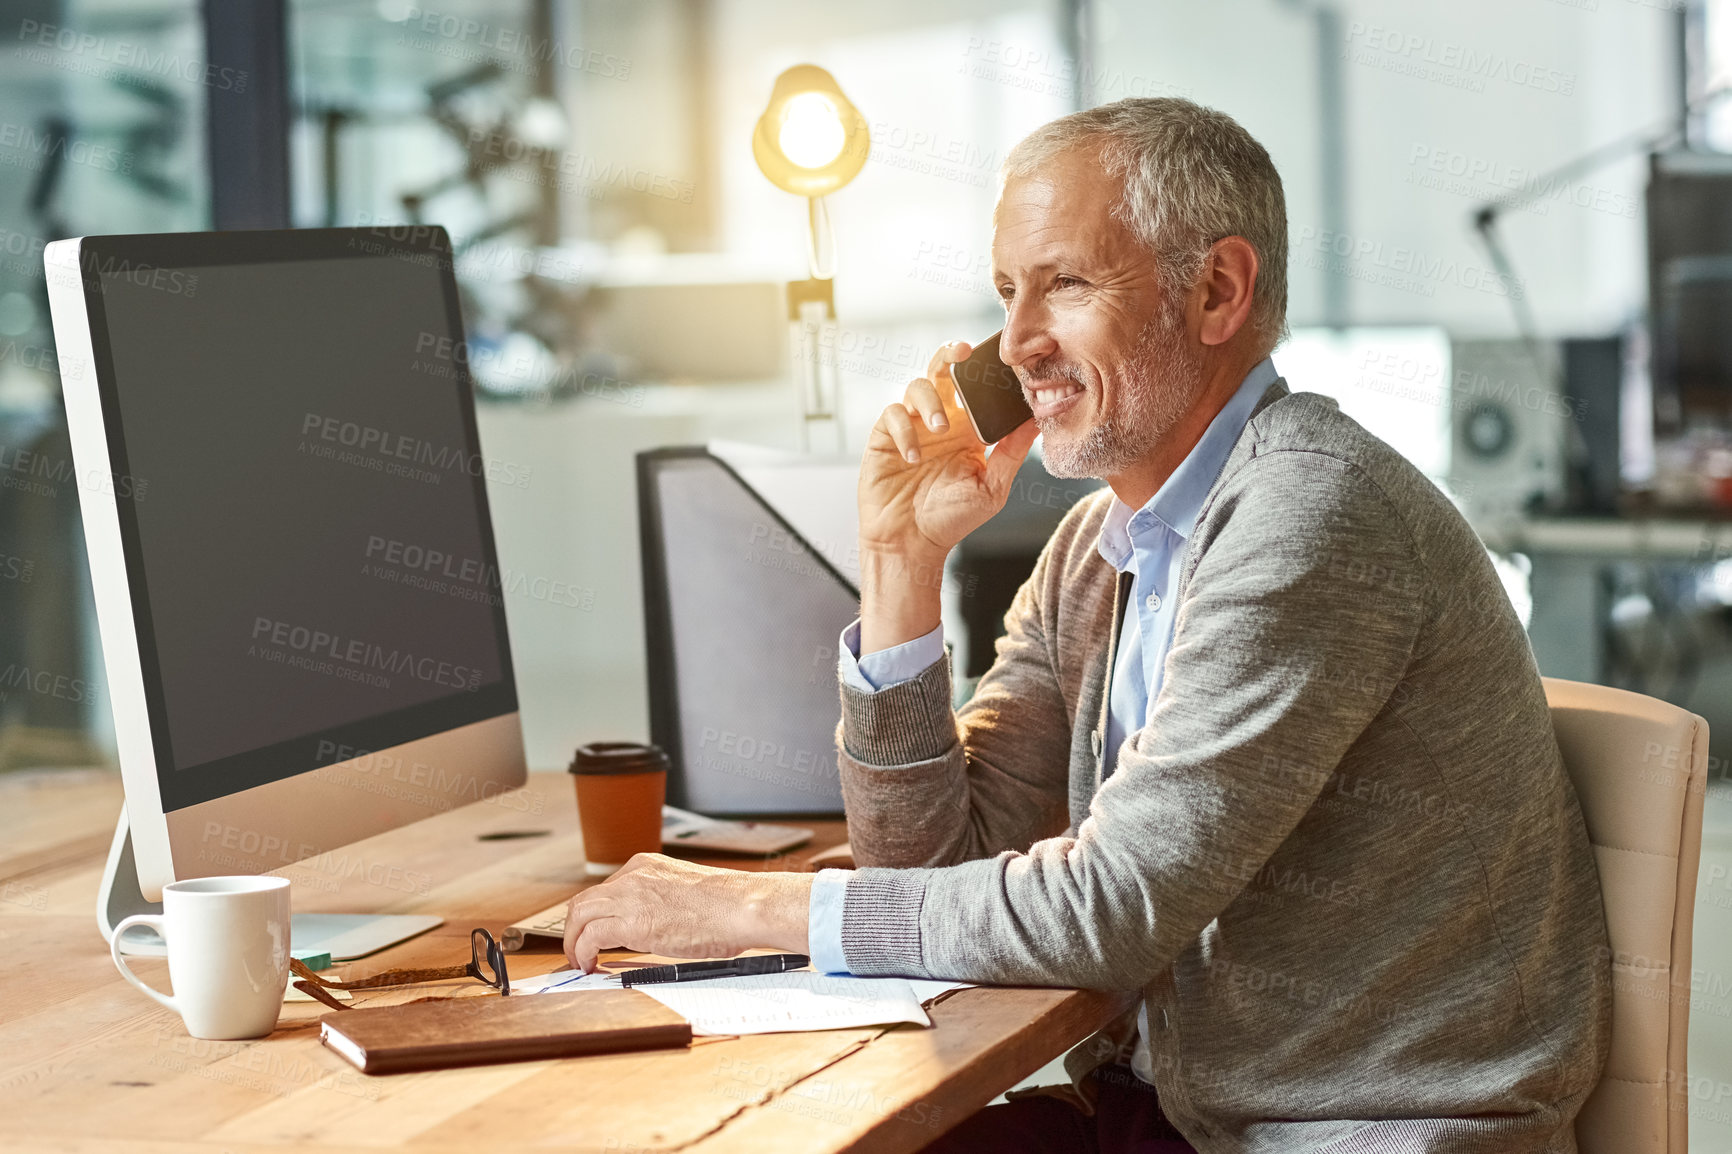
(155, 922)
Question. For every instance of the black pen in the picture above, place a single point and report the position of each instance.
(729, 968)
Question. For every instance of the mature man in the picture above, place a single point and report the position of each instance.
(1264, 740)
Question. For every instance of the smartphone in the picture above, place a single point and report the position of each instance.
(990, 392)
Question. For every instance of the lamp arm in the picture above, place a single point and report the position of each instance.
(1518, 301)
(1646, 140)
(820, 238)
(1485, 216)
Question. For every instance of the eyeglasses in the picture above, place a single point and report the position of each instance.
(486, 965)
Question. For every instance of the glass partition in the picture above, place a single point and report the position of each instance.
(102, 109)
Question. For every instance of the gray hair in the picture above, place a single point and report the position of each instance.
(1192, 175)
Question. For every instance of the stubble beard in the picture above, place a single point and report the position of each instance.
(1160, 384)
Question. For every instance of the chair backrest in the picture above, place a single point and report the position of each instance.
(1640, 769)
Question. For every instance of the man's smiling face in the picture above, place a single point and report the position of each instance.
(1093, 332)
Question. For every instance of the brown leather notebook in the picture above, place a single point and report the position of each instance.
(435, 1034)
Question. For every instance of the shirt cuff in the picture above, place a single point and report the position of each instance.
(824, 921)
(886, 667)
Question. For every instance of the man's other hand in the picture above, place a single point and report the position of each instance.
(926, 482)
(662, 905)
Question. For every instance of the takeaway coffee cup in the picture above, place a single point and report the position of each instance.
(228, 953)
(620, 789)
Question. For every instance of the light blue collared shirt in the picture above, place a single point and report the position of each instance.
(1149, 543)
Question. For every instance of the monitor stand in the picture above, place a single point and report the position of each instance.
(343, 936)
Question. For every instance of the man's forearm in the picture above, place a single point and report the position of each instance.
(900, 598)
(965, 785)
(777, 908)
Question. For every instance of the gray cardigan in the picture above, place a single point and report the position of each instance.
(1341, 863)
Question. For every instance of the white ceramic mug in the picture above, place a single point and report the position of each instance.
(228, 953)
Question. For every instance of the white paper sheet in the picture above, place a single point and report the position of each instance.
(568, 981)
(798, 1000)
(563, 981)
(925, 989)
(767, 1003)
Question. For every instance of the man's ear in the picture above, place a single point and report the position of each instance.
(1229, 280)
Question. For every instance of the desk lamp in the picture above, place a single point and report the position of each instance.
(811, 141)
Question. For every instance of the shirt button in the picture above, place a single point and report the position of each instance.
(1153, 602)
(1095, 742)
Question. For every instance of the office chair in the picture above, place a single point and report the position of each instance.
(1640, 768)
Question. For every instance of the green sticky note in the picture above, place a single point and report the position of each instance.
(312, 959)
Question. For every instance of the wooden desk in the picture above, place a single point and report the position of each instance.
(89, 1064)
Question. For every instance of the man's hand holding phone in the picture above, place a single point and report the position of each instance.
(926, 482)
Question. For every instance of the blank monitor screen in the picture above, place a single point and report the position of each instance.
(1690, 288)
(313, 567)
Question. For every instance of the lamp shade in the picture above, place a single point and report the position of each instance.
(811, 140)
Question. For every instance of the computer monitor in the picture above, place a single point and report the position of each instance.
(285, 506)
(1689, 205)
(743, 607)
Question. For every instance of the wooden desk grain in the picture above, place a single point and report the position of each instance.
(88, 1064)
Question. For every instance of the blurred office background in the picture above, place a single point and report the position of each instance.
(1511, 255)
(1475, 269)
